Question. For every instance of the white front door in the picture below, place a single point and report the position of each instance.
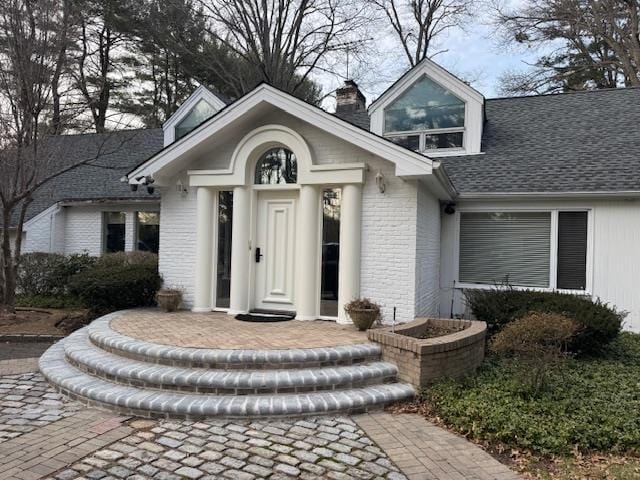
(275, 259)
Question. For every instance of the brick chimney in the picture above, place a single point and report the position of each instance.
(349, 99)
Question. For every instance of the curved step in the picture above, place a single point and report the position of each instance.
(136, 401)
(103, 336)
(85, 356)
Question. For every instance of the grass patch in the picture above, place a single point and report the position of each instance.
(589, 404)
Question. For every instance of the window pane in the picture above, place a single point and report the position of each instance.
(424, 106)
(443, 140)
(408, 141)
(148, 233)
(201, 112)
(223, 270)
(114, 231)
(330, 252)
(503, 247)
(277, 166)
(572, 250)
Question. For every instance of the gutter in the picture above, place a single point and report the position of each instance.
(549, 195)
(119, 200)
(443, 178)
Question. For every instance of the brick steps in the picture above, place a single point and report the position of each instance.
(101, 335)
(105, 369)
(85, 356)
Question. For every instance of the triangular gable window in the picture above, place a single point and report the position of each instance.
(198, 114)
(425, 117)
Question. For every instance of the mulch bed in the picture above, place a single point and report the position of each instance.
(42, 321)
(433, 331)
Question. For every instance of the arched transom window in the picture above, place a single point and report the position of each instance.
(426, 116)
(277, 166)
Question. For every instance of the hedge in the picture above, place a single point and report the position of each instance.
(598, 323)
(116, 287)
(47, 274)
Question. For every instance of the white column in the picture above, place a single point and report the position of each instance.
(350, 230)
(240, 254)
(307, 259)
(130, 225)
(204, 249)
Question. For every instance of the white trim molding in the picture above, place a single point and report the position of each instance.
(408, 164)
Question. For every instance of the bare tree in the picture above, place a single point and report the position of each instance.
(589, 44)
(99, 69)
(30, 48)
(417, 23)
(283, 42)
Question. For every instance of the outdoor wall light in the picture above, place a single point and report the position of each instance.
(380, 182)
(182, 189)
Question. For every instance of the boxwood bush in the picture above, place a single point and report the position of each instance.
(113, 287)
(598, 323)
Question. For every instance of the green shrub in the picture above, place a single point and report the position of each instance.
(598, 323)
(41, 301)
(539, 341)
(47, 274)
(106, 288)
(596, 408)
(128, 258)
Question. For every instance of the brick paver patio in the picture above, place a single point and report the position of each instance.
(423, 450)
(212, 330)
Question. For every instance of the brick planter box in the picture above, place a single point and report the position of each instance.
(421, 361)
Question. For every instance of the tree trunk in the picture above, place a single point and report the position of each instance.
(8, 300)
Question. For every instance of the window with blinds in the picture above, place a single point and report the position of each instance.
(515, 248)
(572, 250)
(505, 247)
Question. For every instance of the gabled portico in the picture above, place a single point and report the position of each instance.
(271, 184)
(283, 221)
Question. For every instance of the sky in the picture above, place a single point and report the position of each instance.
(474, 53)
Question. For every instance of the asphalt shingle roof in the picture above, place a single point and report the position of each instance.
(574, 142)
(577, 142)
(100, 179)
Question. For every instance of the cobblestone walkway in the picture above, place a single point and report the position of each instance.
(27, 403)
(333, 448)
(44, 436)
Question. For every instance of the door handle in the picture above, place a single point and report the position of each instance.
(258, 255)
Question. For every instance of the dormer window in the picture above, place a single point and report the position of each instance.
(198, 114)
(426, 117)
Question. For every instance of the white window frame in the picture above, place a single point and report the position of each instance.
(136, 226)
(553, 248)
(433, 131)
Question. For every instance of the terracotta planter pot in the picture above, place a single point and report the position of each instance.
(363, 318)
(169, 300)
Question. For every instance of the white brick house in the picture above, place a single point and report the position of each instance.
(271, 203)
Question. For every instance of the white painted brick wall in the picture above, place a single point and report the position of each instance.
(389, 243)
(178, 241)
(83, 230)
(427, 254)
